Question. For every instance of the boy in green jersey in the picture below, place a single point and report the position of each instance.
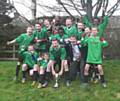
(29, 62)
(63, 37)
(43, 63)
(70, 29)
(40, 38)
(80, 30)
(58, 62)
(94, 55)
(24, 40)
(59, 35)
(40, 69)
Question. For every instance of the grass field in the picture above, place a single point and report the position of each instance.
(15, 91)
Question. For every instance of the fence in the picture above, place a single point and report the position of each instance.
(8, 53)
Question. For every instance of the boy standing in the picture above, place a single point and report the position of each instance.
(94, 55)
(24, 40)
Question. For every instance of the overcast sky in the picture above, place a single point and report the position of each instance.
(23, 6)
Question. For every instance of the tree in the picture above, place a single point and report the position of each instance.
(33, 9)
(5, 9)
(92, 8)
(89, 7)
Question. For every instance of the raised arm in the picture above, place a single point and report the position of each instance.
(87, 22)
(103, 26)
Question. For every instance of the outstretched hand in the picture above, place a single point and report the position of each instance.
(8, 43)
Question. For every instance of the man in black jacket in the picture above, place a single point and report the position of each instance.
(74, 55)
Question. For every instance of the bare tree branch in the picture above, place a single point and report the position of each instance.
(60, 2)
(113, 8)
(33, 9)
(89, 9)
(75, 7)
(99, 4)
(47, 7)
(22, 16)
(105, 5)
(95, 4)
(83, 4)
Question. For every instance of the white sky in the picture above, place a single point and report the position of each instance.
(23, 6)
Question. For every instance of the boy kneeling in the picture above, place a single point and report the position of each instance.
(29, 62)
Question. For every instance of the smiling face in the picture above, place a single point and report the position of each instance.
(55, 43)
(73, 40)
(80, 25)
(38, 27)
(94, 31)
(29, 30)
(68, 22)
(46, 23)
(87, 30)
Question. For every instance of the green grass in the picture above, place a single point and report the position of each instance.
(15, 91)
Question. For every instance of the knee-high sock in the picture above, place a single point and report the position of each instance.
(42, 78)
(96, 73)
(85, 78)
(47, 76)
(67, 75)
(35, 75)
(102, 78)
(24, 74)
(17, 70)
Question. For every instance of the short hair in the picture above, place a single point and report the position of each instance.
(73, 36)
(60, 28)
(69, 19)
(95, 27)
(38, 24)
(54, 39)
(96, 18)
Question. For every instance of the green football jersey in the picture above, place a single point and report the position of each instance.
(54, 36)
(30, 58)
(43, 63)
(24, 40)
(70, 31)
(41, 36)
(79, 35)
(94, 54)
(57, 53)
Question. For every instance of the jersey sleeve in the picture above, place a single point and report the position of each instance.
(87, 22)
(51, 54)
(103, 26)
(75, 30)
(63, 53)
(104, 43)
(84, 40)
(19, 38)
(44, 64)
(23, 53)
